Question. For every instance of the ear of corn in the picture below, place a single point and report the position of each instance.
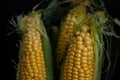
(71, 20)
(84, 53)
(35, 60)
(79, 62)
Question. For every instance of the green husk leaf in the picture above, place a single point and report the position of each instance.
(97, 35)
(48, 58)
(47, 53)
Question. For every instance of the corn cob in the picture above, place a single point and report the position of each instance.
(84, 53)
(79, 62)
(72, 19)
(33, 63)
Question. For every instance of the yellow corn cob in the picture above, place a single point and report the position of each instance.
(82, 60)
(79, 62)
(32, 62)
(73, 18)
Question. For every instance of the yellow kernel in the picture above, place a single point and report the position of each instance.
(90, 58)
(84, 58)
(70, 30)
(85, 28)
(34, 67)
(35, 48)
(77, 62)
(73, 49)
(36, 70)
(78, 55)
(79, 38)
(30, 70)
(89, 62)
(42, 78)
(87, 72)
(77, 33)
(79, 43)
(64, 78)
(84, 65)
(83, 61)
(71, 53)
(32, 56)
(68, 78)
(85, 68)
(81, 70)
(29, 50)
(28, 46)
(81, 78)
(29, 34)
(79, 47)
(85, 49)
(82, 34)
(88, 79)
(75, 69)
(75, 72)
(78, 51)
(89, 53)
(27, 61)
(75, 76)
(90, 67)
(71, 57)
(66, 27)
(69, 74)
(69, 67)
(87, 34)
(70, 64)
(87, 38)
(84, 54)
(87, 43)
(78, 66)
(69, 71)
(70, 61)
(27, 65)
(71, 27)
(81, 74)
(71, 23)
(30, 42)
(73, 19)
(77, 59)
(87, 76)
(36, 74)
(31, 74)
(72, 45)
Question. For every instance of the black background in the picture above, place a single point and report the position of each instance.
(8, 43)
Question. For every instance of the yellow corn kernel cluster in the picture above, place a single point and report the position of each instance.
(64, 37)
(79, 62)
(32, 64)
(73, 18)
